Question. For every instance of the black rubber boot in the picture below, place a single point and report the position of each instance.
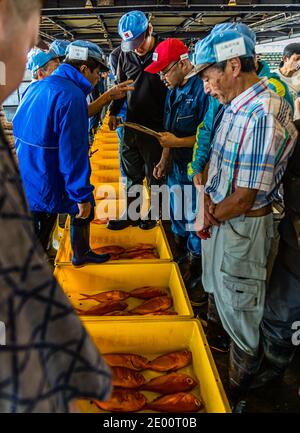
(121, 224)
(193, 280)
(242, 369)
(80, 242)
(217, 337)
(278, 356)
(124, 221)
(181, 253)
(146, 223)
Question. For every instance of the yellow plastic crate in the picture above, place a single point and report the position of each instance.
(105, 154)
(108, 140)
(105, 164)
(154, 338)
(102, 176)
(127, 238)
(110, 147)
(95, 279)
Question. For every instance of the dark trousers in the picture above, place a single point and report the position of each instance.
(282, 305)
(139, 154)
(43, 225)
(79, 222)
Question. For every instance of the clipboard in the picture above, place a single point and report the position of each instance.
(141, 128)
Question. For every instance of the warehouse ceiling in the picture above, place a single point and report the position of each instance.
(97, 20)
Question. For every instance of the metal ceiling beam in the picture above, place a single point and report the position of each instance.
(104, 27)
(46, 36)
(62, 26)
(187, 22)
(192, 8)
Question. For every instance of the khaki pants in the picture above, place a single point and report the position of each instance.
(235, 271)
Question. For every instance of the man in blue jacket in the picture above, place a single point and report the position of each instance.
(51, 132)
(185, 107)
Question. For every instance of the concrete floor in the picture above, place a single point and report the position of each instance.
(281, 396)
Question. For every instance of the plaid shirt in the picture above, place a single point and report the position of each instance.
(252, 145)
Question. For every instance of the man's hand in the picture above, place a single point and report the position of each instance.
(197, 179)
(167, 139)
(160, 169)
(119, 91)
(84, 210)
(209, 207)
(204, 234)
(112, 123)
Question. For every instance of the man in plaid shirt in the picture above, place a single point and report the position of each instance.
(250, 151)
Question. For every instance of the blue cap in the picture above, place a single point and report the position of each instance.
(132, 27)
(221, 46)
(239, 27)
(59, 47)
(92, 50)
(37, 58)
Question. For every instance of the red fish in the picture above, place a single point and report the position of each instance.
(160, 303)
(147, 255)
(111, 295)
(128, 360)
(123, 400)
(170, 383)
(141, 247)
(162, 313)
(100, 221)
(103, 308)
(131, 255)
(109, 249)
(171, 361)
(180, 403)
(123, 377)
(148, 292)
(117, 313)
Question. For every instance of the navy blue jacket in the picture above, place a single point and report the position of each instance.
(185, 108)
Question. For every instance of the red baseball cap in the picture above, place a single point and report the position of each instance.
(168, 51)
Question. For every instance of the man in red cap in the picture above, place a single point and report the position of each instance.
(185, 107)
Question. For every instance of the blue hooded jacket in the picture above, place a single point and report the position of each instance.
(51, 133)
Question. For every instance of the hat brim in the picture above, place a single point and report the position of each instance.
(198, 68)
(127, 46)
(156, 67)
(102, 66)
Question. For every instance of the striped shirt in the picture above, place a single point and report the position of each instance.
(252, 145)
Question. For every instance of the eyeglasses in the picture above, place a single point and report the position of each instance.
(163, 74)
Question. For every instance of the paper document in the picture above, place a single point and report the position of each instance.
(142, 128)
